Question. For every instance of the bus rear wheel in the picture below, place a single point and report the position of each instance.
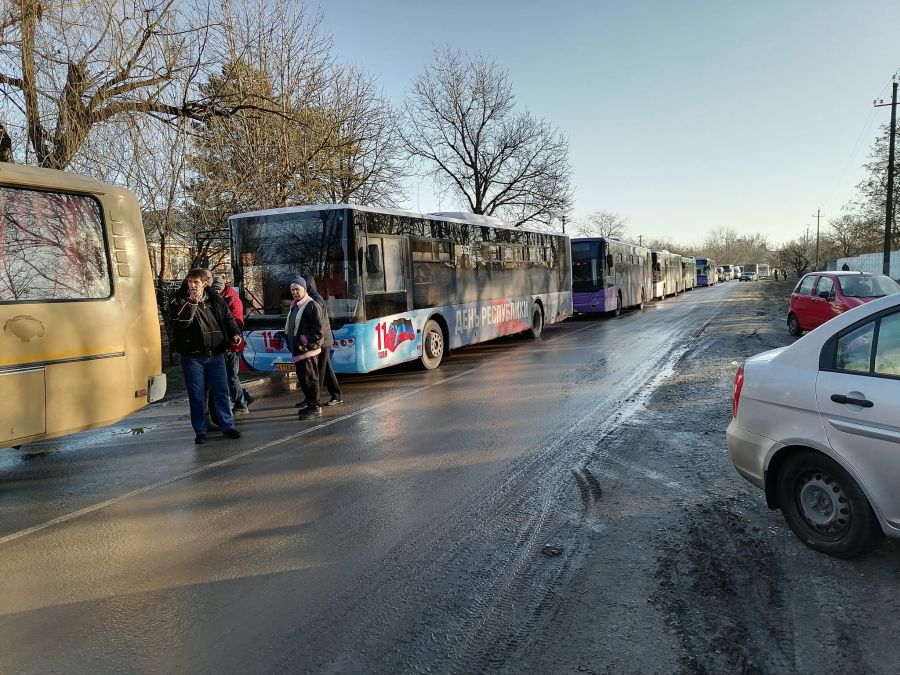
(432, 345)
(537, 323)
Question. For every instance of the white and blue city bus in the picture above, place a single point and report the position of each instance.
(399, 286)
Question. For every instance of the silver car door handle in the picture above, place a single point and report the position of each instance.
(844, 400)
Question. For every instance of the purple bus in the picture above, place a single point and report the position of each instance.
(706, 272)
(609, 275)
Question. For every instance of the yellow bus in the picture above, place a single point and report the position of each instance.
(79, 332)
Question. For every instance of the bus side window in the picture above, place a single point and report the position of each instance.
(373, 259)
(374, 275)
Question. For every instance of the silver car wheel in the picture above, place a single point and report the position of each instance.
(823, 503)
(824, 506)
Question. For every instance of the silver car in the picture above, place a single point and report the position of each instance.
(817, 426)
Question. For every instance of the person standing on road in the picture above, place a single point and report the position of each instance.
(303, 330)
(240, 398)
(203, 328)
(327, 377)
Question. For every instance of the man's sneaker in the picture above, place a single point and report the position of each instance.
(200, 439)
(232, 433)
(335, 400)
(310, 412)
(241, 411)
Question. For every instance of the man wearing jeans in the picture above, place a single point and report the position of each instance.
(203, 328)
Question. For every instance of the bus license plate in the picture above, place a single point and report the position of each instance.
(284, 367)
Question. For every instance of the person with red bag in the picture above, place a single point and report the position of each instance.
(240, 397)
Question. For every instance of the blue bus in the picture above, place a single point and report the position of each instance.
(609, 275)
(399, 286)
(706, 272)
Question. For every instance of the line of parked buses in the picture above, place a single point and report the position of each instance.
(609, 275)
(399, 287)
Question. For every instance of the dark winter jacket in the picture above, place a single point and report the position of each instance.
(203, 328)
(303, 328)
(327, 335)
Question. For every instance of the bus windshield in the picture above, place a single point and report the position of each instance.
(587, 266)
(270, 248)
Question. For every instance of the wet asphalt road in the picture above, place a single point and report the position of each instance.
(391, 535)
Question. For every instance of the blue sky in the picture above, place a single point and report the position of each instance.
(681, 116)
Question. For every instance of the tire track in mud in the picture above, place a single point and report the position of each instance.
(726, 586)
(718, 579)
(483, 580)
(734, 573)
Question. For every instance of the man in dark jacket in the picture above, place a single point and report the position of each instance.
(327, 378)
(203, 329)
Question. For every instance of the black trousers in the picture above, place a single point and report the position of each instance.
(308, 379)
(327, 378)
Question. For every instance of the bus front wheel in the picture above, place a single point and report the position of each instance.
(537, 323)
(618, 310)
(432, 345)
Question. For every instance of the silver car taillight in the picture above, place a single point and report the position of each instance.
(736, 391)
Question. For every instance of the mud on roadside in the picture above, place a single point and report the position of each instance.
(690, 571)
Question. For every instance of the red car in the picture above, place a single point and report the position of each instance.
(820, 296)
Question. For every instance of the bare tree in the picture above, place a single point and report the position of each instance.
(150, 160)
(69, 67)
(721, 244)
(364, 166)
(871, 201)
(602, 224)
(328, 135)
(851, 234)
(794, 256)
(461, 123)
(659, 244)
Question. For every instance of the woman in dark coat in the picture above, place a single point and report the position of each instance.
(303, 330)
(327, 377)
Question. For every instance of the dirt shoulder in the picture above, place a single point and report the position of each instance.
(686, 569)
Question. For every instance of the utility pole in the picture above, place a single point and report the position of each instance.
(640, 240)
(889, 217)
(564, 224)
(818, 216)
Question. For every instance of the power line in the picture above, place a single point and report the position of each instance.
(863, 133)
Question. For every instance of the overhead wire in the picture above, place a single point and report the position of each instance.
(864, 132)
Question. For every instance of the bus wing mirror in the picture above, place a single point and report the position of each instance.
(609, 260)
